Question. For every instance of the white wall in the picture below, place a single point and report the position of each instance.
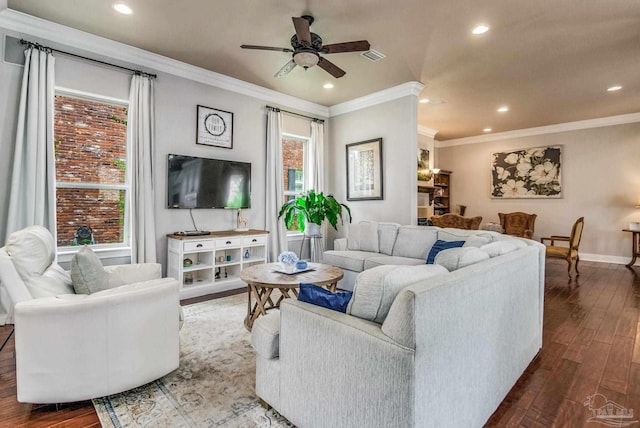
(395, 122)
(600, 180)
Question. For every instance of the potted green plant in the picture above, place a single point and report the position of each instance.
(310, 209)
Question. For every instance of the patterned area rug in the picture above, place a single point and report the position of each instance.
(214, 385)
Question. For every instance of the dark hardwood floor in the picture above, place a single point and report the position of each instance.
(591, 345)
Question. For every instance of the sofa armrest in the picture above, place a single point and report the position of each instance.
(345, 358)
(340, 244)
(136, 272)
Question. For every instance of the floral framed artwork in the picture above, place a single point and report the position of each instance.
(528, 173)
(215, 127)
(364, 170)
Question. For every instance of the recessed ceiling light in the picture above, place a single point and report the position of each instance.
(614, 88)
(503, 109)
(480, 29)
(328, 85)
(123, 8)
(424, 100)
(487, 130)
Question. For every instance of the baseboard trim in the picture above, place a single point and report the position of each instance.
(603, 258)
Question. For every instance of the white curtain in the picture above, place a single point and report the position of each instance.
(32, 200)
(274, 186)
(141, 138)
(317, 156)
(316, 149)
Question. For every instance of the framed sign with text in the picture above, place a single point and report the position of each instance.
(215, 127)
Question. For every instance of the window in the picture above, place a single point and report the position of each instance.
(294, 160)
(90, 139)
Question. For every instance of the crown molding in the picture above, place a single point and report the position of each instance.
(541, 130)
(383, 96)
(80, 40)
(429, 132)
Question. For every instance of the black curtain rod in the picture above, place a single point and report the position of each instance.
(315, 119)
(39, 46)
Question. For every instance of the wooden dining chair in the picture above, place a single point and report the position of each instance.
(570, 252)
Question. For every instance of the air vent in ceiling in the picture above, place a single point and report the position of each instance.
(373, 55)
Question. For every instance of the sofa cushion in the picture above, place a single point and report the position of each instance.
(349, 260)
(387, 234)
(319, 296)
(471, 238)
(88, 275)
(32, 253)
(499, 248)
(382, 260)
(265, 335)
(440, 246)
(399, 324)
(456, 258)
(414, 241)
(363, 237)
(376, 288)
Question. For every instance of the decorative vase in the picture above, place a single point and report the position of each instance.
(288, 260)
(247, 254)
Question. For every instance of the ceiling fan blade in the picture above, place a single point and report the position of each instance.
(286, 69)
(331, 68)
(360, 45)
(266, 48)
(302, 30)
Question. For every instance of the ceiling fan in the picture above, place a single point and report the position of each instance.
(307, 47)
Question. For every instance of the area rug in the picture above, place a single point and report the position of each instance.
(214, 385)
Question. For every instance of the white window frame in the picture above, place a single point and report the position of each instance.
(305, 166)
(113, 250)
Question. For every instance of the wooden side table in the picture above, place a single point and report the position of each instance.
(635, 245)
(262, 280)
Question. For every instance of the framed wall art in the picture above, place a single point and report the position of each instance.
(364, 170)
(527, 173)
(215, 127)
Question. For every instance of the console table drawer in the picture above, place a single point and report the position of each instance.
(254, 240)
(228, 243)
(198, 245)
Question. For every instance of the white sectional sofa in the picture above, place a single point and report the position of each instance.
(372, 244)
(419, 346)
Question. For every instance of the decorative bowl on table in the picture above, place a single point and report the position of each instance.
(301, 265)
(288, 260)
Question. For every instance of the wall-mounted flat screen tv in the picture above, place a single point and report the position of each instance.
(207, 183)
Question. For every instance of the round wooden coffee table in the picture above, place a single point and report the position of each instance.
(262, 279)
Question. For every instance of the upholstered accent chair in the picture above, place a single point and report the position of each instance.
(456, 221)
(569, 252)
(73, 347)
(518, 224)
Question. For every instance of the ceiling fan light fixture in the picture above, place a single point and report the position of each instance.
(328, 85)
(306, 59)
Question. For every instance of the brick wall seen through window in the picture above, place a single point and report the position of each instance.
(90, 149)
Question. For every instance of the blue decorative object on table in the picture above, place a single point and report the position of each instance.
(301, 264)
(319, 296)
(247, 254)
(288, 260)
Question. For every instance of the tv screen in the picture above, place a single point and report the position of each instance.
(208, 183)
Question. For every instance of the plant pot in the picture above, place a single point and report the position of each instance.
(312, 230)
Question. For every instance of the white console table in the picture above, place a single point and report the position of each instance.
(216, 259)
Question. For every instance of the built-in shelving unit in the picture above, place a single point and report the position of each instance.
(442, 192)
(212, 263)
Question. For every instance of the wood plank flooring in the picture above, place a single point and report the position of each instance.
(591, 344)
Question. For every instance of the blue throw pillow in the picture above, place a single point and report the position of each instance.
(319, 296)
(439, 246)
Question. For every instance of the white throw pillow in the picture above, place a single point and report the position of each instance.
(375, 289)
(88, 275)
(363, 237)
(456, 258)
(499, 248)
(470, 238)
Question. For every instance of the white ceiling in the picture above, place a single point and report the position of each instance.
(549, 61)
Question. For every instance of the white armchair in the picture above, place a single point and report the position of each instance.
(72, 347)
